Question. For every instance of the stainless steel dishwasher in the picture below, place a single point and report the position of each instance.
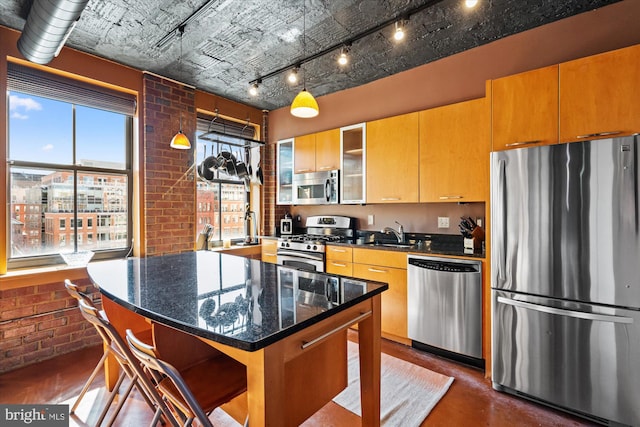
(445, 306)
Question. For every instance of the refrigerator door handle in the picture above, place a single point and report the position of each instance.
(563, 312)
(499, 221)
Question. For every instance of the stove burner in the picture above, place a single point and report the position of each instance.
(313, 238)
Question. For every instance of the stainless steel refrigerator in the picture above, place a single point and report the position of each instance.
(565, 276)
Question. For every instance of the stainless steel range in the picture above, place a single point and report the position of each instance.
(307, 251)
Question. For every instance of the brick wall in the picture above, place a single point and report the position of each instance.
(169, 188)
(40, 322)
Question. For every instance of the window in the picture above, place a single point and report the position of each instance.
(224, 192)
(69, 149)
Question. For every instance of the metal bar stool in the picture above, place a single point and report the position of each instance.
(115, 346)
(195, 391)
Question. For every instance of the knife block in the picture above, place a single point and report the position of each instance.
(472, 245)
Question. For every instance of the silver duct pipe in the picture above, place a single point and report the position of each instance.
(48, 25)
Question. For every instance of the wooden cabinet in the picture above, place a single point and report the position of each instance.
(339, 260)
(353, 143)
(269, 249)
(392, 159)
(317, 152)
(525, 109)
(454, 152)
(389, 267)
(598, 95)
(284, 172)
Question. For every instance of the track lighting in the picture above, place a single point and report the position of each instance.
(253, 90)
(343, 59)
(399, 32)
(293, 76)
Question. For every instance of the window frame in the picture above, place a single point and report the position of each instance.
(54, 258)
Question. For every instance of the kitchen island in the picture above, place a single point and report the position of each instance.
(287, 326)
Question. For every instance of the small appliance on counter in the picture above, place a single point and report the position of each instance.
(286, 225)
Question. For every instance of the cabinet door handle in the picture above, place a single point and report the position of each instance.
(338, 264)
(302, 170)
(269, 254)
(375, 270)
(337, 250)
(386, 199)
(324, 168)
(450, 197)
(518, 143)
(594, 135)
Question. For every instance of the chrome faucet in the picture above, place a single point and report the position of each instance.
(399, 234)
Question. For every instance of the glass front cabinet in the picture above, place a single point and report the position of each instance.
(352, 164)
(284, 177)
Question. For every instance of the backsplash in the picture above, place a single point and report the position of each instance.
(414, 217)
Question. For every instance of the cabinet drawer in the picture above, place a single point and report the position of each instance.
(380, 257)
(342, 268)
(339, 253)
(269, 249)
(394, 299)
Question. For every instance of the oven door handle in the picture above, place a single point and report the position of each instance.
(299, 255)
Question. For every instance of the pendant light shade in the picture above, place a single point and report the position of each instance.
(304, 105)
(180, 141)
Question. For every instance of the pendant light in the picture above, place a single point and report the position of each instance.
(304, 104)
(180, 140)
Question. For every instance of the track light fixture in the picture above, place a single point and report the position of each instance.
(343, 59)
(293, 76)
(253, 89)
(399, 32)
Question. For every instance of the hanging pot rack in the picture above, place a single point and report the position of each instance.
(223, 136)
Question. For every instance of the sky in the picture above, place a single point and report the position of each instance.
(41, 129)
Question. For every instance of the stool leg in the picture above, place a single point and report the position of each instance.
(97, 369)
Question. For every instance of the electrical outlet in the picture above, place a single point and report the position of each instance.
(443, 222)
(370, 220)
(479, 222)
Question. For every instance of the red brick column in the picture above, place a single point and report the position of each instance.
(169, 187)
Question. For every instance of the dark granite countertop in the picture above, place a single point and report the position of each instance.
(234, 300)
(418, 248)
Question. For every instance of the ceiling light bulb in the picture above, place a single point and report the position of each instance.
(293, 76)
(471, 3)
(399, 34)
(343, 59)
(253, 90)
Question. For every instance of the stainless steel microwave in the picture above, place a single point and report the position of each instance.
(316, 188)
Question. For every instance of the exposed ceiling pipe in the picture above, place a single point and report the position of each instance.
(48, 26)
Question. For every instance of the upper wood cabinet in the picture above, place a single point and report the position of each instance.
(598, 94)
(392, 159)
(525, 109)
(317, 152)
(454, 152)
(284, 174)
(305, 153)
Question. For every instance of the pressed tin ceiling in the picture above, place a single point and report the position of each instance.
(233, 42)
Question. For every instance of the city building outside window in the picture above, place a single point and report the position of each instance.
(69, 149)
